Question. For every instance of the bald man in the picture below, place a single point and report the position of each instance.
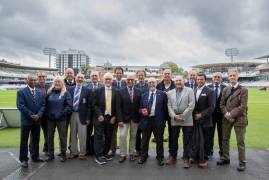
(69, 78)
(128, 117)
(192, 79)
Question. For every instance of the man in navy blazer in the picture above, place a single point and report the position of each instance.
(217, 115)
(82, 107)
(192, 80)
(153, 108)
(31, 105)
(202, 114)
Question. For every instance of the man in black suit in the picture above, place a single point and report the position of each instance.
(217, 115)
(80, 118)
(93, 86)
(192, 80)
(128, 117)
(118, 83)
(204, 107)
(105, 118)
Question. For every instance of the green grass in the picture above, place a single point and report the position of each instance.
(257, 135)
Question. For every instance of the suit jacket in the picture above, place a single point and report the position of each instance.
(85, 103)
(68, 85)
(184, 107)
(205, 105)
(217, 111)
(187, 84)
(44, 117)
(128, 110)
(142, 87)
(90, 85)
(160, 109)
(123, 84)
(100, 102)
(27, 107)
(236, 104)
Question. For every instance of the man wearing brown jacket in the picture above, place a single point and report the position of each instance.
(234, 108)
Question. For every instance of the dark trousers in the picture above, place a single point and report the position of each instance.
(88, 138)
(102, 136)
(217, 121)
(169, 134)
(187, 134)
(34, 131)
(114, 140)
(138, 140)
(207, 141)
(158, 134)
(61, 127)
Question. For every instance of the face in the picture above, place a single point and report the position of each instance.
(217, 79)
(94, 78)
(152, 86)
(118, 74)
(233, 77)
(42, 78)
(192, 75)
(31, 81)
(108, 82)
(167, 75)
(58, 84)
(179, 83)
(141, 76)
(79, 79)
(69, 74)
(200, 81)
(130, 81)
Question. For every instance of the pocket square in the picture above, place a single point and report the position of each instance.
(203, 94)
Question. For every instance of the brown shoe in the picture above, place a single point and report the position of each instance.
(203, 164)
(186, 163)
(72, 156)
(82, 157)
(122, 159)
(170, 161)
(132, 157)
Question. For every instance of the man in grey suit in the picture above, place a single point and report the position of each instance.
(181, 102)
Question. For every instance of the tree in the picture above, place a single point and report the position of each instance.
(85, 69)
(174, 67)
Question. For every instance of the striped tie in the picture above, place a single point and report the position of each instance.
(76, 99)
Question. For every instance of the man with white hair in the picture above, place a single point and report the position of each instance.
(153, 108)
(94, 84)
(105, 118)
(128, 117)
(181, 103)
(81, 117)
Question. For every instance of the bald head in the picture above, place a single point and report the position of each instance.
(31, 80)
(179, 82)
(167, 75)
(79, 79)
(69, 74)
(192, 75)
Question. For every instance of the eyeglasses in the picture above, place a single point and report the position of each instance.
(216, 76)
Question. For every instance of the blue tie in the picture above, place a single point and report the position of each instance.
(76, 99)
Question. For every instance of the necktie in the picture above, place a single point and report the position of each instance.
(192, 85)
(150, 102)
(217, 91)
(177, 97)
(131, 94)
(76, 99)
(33, 94)
(118, 84)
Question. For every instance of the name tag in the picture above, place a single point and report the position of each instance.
(203, 94)
(60, 97)
(84, 101)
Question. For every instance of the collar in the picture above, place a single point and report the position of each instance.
(154, 92)
(235, 86)
(31, 89)
(108, 88)
(201, 88)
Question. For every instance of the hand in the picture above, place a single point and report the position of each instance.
(113, 120)
(197, 116)
(145, 112)
(35, 117)
(121, 124)
(178, 118)
(228, 116)
(101, 118)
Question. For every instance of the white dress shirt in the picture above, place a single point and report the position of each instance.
(198, 92)
(152, 111)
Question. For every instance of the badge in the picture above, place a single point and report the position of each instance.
(84, 101)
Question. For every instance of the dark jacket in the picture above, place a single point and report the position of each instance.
(160, 109)
(142, 87)
(217, 107)
(90, 86)
(58, 107)
(114, 84)
(187, 84)
(100, 102)
(27, 106)
(128, 110)
(68, 84)
(85, 103)
(205, 105)
(161, 86)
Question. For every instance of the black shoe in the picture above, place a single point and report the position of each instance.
(241, 167)
(37, 160)
(100, 160)
(63, 158)
(49, 158)
(142, 160)
(122, 159)
(24, 164)
(60, 154)
(223, 162)
(165, 139)
(108, 157)
(160, 162)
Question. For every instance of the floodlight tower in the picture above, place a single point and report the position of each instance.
(50, 52)
(231, 52)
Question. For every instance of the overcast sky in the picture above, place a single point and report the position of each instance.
(134, 32)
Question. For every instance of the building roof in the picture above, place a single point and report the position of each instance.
(236, 64)
(7, 64)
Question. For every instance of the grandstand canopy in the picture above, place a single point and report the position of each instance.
(236, 64)
(264, 57)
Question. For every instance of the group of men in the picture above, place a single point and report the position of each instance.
(141, 109)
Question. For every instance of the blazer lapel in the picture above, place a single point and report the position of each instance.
(202, 92)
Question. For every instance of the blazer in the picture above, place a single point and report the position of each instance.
(90, 85)
(85, 103)
(205, 105)
(68, 85)
(217, 107)
(100, 102)
(185, 106)
(142, 87)
(236, 104)
(123, 84)
(187, 84)
(160, 109)
(27, 107)
(128, 110)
